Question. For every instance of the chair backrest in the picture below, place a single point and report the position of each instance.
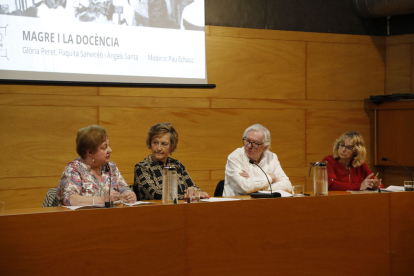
(219, 189)
(51, 199)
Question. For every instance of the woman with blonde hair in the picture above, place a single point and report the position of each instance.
(346, 167)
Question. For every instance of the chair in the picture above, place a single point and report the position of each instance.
(219, 189)
(51, 199)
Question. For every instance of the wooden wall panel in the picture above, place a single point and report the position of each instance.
(394, 175)
(23, 183)
(26, 191)
(243, 68)
(399, 39)
(397, 126)
(40, 141)
(205, 139)
(47, 90)
(208, 186)
(96, 101)
(398, 69)
(174, 93)
(344, 71)
(324, 126)
(295, 36)
(27, 198)
(263, 69)
(285, 104)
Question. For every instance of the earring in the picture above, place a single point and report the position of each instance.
(93, 160)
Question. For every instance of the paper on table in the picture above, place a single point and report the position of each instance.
(282, 193)
(136, 203)
(393, 189)
(217, 199)
(85, 206)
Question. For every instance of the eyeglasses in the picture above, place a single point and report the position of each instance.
(348, 148)
(162, 144)
(254, 144)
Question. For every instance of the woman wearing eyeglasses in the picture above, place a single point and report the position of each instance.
(346, 167)
(162, 140)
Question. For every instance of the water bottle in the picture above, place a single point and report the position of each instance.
(320, 178)
(169, 185)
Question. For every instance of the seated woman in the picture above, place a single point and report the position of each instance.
(85, 180)
(346, 168)
(162, 139)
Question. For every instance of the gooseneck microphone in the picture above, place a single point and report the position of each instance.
(386, 159)
(270, 185)
(107, 168)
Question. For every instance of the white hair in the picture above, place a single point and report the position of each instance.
(258, 127)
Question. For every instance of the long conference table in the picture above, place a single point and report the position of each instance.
(338, 234)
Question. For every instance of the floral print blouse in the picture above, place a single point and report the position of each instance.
(78, 178)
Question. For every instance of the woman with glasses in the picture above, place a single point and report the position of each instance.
(253, 167)
(162, 140)
(346, 167)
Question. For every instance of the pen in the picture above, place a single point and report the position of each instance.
(376, 177)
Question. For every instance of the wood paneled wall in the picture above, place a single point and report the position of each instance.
(399, 79)
(307, 88)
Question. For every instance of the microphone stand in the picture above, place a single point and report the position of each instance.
(108, 168)
(262, 195)
(386, 159)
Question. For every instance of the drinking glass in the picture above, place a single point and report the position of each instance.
(298, 190)
(408, 185)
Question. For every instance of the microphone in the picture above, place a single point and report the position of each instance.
(386, 159)
(107, 168)
(270, 185)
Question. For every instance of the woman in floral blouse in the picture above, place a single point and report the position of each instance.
(162, 139)
(85, 180)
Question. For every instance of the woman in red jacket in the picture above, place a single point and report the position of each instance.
(346, 167)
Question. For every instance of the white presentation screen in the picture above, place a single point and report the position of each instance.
(103, 41)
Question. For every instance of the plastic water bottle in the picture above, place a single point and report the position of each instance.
(169, 185)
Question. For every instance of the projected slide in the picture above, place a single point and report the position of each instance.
(113, 41)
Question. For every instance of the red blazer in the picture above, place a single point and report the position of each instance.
(340, 180)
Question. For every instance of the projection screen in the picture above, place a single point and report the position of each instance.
(103, 41)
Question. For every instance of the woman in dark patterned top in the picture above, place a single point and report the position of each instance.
(162, 139)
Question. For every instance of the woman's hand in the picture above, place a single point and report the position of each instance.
(368, 183)
(190, 192)
(204, 195)
(129, 197)
(376, 184)
(193, 192)
(115, 196)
